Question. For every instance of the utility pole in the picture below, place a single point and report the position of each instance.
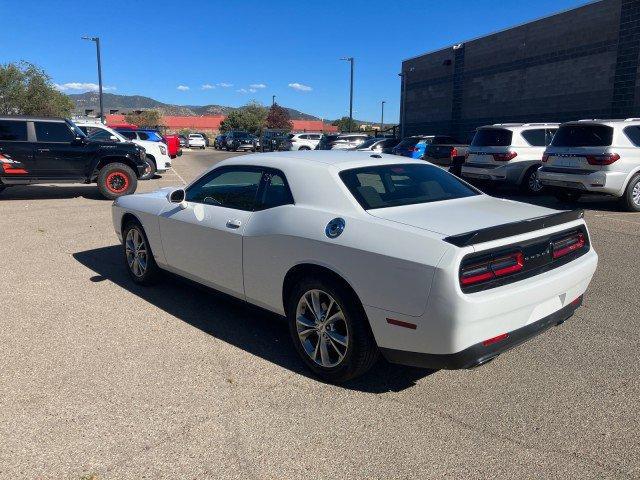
(350, 60)
(273, 100)
(382, 116)
(97, 41)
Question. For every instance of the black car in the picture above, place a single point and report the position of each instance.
(273, 140)
(238, 140)
(54, 150)
(218, 142)
(447, 152)
(379, 144)
(183, 141)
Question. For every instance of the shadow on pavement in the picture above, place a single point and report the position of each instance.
(254, 330)
(49, 192)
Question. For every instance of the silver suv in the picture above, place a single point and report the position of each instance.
(595, 156)
(509, 153)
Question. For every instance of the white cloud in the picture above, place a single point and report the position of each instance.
(253, 90)
(182, 88)
(300, 87)
(83, 86)
(258, 85)
(225, 85)
(208, 86)
(242, 90)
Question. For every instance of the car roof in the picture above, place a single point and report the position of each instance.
(299, 159)
(507, 126)
(612, 122)
(32, 118)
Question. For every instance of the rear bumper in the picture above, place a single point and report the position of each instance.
(480, 353)
(611, 183)
(509, 173)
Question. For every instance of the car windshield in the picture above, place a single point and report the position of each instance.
(403, 184)
(412, 142)
(77, 130)
(368, 143)
(492, 137)
(583, 136)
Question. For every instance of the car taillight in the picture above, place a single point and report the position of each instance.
(566, 245)
(605, 159)
(504, 157)
(545, 158)
(488, 270)
(454, 152)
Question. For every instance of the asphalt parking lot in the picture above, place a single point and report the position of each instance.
(101, 377)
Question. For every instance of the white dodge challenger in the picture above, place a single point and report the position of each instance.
(366, 255)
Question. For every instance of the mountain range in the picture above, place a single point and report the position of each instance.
(90, 100)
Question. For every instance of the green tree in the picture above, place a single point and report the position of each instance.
(26, 89)
(278, 118)
(146, 118)
(343, 125)
(250, 118)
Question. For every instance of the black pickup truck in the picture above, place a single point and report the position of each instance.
(54, 150)
(446, 152)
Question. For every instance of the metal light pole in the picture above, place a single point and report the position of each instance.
(350, 60)
(97, 40)
(382, 116)
(403, 94)
(273, 99)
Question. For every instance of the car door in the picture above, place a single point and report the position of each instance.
(57, 153)
(202, 237)
(15, 146)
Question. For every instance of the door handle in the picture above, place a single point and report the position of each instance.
(42, 150)
(234, 223)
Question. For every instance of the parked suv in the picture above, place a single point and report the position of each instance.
(595, 157)
(509, 153)
(304, 141)
(54, 150)
(157, 153)
(274, 140)
(239, 140)
(413, 147)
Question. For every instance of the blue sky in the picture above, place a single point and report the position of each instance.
(229, 52)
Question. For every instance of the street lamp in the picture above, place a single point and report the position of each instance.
(273, 100)
(97, 40)
(403, 95)
(382, 115)
(350, 60)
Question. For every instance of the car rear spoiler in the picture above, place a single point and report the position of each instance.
(515, 228)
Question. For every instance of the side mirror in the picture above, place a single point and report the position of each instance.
(176, 196)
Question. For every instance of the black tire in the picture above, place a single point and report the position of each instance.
(567, 196)
(152, 169)
(110, 189)
(530, 184)
(151, 272)
(304, 148)
(361, 351)
(630, 201)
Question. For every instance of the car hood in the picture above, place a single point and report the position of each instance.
(452, 217)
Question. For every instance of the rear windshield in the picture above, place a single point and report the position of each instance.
(412, 141)
(368, 143)
(406, 184)
(492, 137)
(583, 136)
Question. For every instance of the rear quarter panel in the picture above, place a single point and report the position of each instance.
(388, 266)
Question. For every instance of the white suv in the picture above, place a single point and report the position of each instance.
(304, 141)
(509, 153)
(157, 153)
(595, 156)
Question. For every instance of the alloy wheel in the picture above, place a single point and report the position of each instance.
(322, 328)
(635, 193)
(136, 251)
(534, 182)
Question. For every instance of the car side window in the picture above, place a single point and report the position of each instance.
(233, 187)
(275, 192)
(58, 132)
(13, 131)
(550, 133)
(633, 134)
(535, 138)
(143, 136)
(100, 135)
(129, 135)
